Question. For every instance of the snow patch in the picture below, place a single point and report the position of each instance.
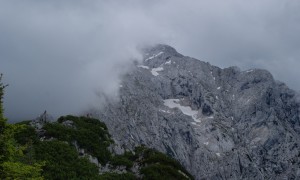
(250, 70)
(187, 110)
(255, 140)
(218, 154)
(206, 143)
(219, 87)
(164, 111)
(154, 56)
(155, 71)
(195, 123)
(145, 67)
(168, 62)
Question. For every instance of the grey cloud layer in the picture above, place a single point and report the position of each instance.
(56, 54)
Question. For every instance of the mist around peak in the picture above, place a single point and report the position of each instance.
(60, 55)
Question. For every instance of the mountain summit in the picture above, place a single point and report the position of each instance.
(219, 123)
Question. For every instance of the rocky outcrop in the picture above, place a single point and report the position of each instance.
(39, 121)
(219, 123)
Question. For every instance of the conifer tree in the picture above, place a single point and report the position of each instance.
(11, 166)
(2, 119)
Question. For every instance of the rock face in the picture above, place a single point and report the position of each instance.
(38, 122)
(219, 123)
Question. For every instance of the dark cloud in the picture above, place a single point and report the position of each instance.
(56, 54)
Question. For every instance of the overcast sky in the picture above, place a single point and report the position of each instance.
(56, 54)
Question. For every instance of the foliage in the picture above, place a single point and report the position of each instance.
(2, 119)
(63, 162)
(121, 160)
(160, 171)
(26, 135)
(159, 166)
(58, 131)
(90, 134)
(12, 153)
(115, 176)
(18, 170)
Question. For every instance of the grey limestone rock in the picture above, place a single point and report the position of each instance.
(38, 122)
(219, 123)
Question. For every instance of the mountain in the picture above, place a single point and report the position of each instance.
(219, 123)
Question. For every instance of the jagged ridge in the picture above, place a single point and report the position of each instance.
(219, 123)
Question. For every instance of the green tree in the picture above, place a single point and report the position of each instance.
(2, 119)
(3, 124)
(11, 153)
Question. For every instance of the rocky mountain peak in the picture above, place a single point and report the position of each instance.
(159, 48)
(158, 54)
(219, 123)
